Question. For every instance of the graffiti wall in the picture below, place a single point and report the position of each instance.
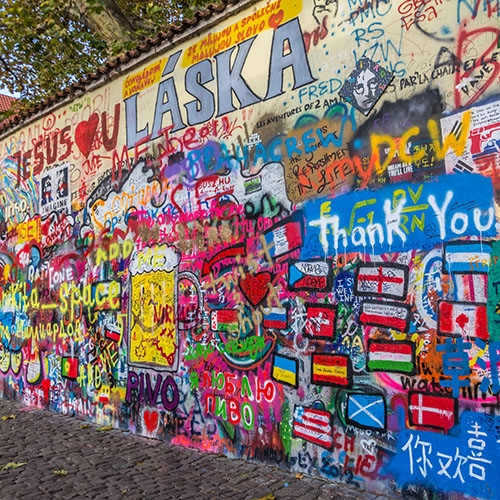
(275, 237)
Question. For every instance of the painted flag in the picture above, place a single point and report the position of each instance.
(471, 287)
(285, 370)
(285, 237)
(69, 367)
(430, 410)
(224, 320)
(467, 257)
(276, 317)
(382, 279)
(461, 166)
(311, 275)
(367, 411)
(313, 425)
(331, 369)
(385, 314)
(463, 319)
(391, 356)
(112, 332)
(320, 321)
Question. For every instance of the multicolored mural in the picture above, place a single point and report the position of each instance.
(276, 238)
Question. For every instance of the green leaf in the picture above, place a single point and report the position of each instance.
(60, 472)
(105, 428)
(13, 465)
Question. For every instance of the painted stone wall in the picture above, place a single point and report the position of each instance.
(276, 239)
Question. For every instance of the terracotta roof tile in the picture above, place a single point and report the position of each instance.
(6, 102)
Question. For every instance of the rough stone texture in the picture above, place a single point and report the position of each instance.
(117, 465)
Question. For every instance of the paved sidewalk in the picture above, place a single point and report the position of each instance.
(65, 458)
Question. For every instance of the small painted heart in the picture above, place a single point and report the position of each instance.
(85, 133)
(150, 420)
(255, 287)
(275, 19)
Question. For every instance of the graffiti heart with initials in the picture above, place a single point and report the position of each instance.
(370, 446)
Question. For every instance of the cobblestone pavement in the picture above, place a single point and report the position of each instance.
(65, 458)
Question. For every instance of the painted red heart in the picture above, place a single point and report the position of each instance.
(275, 19)
(255, 287)
(151, 420)
(85, 133)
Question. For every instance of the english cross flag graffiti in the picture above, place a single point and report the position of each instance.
(382, 279)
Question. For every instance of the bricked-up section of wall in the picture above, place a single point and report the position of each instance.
(272, 235)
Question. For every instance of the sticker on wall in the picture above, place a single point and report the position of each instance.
(314, 425)
(479, 127)
(30, 230)
(365, 85)
(284, 236)
(55, 193)
(366, 411)
(153, 338)
(331, 369)
(391, 356)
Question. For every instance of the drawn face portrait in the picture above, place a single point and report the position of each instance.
(366, 83)
(365, 90)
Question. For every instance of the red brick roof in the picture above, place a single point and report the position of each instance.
(210, 10)
(6, 102)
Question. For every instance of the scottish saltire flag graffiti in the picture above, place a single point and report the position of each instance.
(367, 411)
